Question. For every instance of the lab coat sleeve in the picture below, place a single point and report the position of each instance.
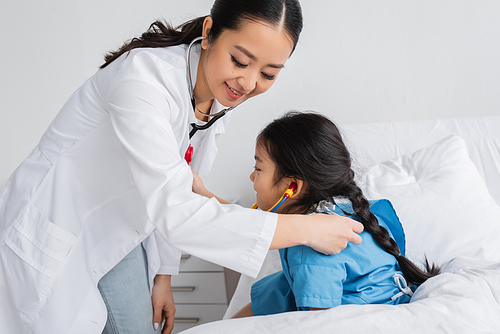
(169, 255)
(142, 107)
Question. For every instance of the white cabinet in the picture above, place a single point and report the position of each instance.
(199, 293)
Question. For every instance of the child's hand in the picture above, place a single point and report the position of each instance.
(198, 186)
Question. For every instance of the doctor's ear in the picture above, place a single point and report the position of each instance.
(207, 25)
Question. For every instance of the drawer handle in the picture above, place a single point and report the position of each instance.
(186, 320)
(185, 256)
(183, 288)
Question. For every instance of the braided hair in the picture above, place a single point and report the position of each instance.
(309, 147)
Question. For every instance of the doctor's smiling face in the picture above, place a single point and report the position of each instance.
(241, 63)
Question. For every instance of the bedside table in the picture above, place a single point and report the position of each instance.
(199, 293)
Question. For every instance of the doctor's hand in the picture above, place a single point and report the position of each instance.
(331, 233)
(198, 186)
(163, 304)
(328, 234)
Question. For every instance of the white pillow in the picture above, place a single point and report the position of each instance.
(442, 201)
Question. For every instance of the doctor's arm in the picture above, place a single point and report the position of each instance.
(162, 297)
(328, 234)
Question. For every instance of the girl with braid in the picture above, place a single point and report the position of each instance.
(306, 150)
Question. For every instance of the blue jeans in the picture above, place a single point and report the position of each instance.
(125, 291)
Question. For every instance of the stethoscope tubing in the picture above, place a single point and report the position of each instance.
(196, 127)
(214, 117)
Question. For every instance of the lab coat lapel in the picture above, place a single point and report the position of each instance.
(206, 151)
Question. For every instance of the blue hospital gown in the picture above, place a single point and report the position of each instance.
(360, 274)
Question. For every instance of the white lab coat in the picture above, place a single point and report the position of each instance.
(107, 175)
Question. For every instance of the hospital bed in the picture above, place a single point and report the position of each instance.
(443, 178)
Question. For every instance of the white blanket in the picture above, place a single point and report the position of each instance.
(461, 301)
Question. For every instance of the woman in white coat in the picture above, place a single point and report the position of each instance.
(108, 181)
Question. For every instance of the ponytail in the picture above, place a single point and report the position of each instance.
(160, 35)
(361, 207)
(226, 15)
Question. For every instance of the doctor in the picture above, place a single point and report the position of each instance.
(85, 219)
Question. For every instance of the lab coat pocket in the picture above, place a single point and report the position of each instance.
(36, 250)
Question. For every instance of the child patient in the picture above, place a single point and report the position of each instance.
(305, 151)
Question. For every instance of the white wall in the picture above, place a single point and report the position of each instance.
(357, 61)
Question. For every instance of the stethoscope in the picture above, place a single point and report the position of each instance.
(286, 195)
(214, 117)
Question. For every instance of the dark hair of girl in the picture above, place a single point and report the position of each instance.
(226, 14)
(309, 147)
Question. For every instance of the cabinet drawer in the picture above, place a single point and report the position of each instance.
(188, 316)
(199, 288)
(192, 263)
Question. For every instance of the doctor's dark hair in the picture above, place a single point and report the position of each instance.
(309, 147)
(226, 15)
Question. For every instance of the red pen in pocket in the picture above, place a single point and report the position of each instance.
(189, 154)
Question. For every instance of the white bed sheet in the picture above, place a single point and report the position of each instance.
(458, 301)
(464, 299)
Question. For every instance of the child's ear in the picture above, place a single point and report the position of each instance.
(300, 186)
